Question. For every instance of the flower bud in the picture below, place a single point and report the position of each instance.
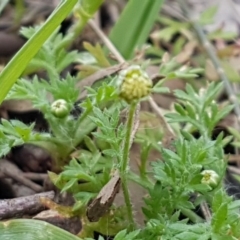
(210, 178)
(134, 84)
(59, 108)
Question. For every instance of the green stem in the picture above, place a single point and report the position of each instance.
(85, 10)
(128, 203)
(126, 147)
(84, 127)
(125, 164)
(55, 126)
(192, 215)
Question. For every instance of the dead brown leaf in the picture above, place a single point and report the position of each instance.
(101, 204)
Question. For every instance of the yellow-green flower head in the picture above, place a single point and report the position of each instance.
(134, 84)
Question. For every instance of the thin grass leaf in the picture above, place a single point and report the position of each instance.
(19, 62)
(3, 4)
(28, 229)
(134, 25)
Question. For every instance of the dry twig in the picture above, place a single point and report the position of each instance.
(8, 169)
(23, 205)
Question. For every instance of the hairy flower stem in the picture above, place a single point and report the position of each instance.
(125, 164)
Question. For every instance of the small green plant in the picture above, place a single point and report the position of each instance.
(182, 180)
(67, 131)
(189, 174)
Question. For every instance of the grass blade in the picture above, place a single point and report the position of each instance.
(28, 229)
(3, 4)
(134, 25)
(16, 66)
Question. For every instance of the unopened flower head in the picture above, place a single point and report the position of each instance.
(59, 108)
(134, 84)
(210, 178)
